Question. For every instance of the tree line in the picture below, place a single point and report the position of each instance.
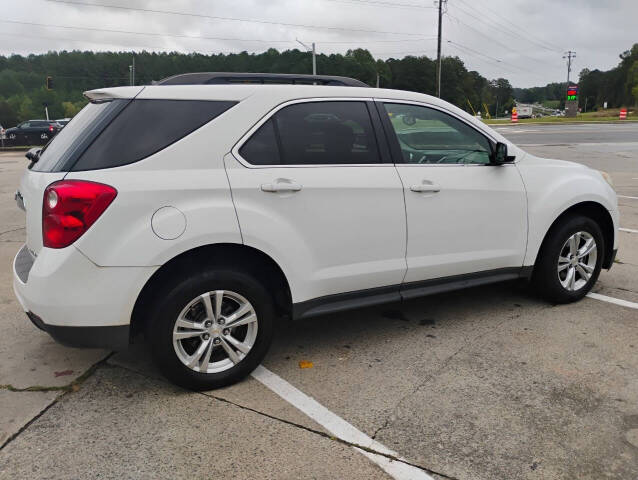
(23, 92)
(618, 86)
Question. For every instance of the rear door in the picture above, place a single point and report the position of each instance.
(464, 214)
(315, 189)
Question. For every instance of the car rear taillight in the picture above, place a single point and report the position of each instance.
(70, 207)
(50, 128)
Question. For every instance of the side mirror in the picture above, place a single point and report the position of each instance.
(499, 156)
(33, 154)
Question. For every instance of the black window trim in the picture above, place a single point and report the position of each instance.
(382, 146)
(393, 142)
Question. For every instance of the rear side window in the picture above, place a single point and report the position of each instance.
(145, 127)
(63, 150)
(315, 133)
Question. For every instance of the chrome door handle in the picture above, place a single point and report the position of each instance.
(425, 187)
(280, 187)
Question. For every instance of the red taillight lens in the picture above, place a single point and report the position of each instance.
(70, 207)
(50, 128)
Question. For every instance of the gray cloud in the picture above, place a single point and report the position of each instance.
(521, 40)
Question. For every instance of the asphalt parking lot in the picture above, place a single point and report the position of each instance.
(487, 383)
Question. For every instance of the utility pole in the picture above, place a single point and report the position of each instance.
(131, 71)
(438, 51)
(569, 55)
(314, 54)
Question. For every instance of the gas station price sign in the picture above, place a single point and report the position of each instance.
(572, 93)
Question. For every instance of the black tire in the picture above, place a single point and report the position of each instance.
(174, 298)
(545, 278)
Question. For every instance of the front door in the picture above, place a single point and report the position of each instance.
(312, 190)
(464, 215)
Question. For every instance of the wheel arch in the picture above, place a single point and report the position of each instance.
(250, 259)
(595, 211)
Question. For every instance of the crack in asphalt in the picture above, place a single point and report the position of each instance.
(297, 425)
(71, 387)
(12, 230)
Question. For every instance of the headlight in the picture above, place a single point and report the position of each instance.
(607, 178)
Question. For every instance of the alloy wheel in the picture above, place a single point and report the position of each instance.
(215, 331)
(577, 261)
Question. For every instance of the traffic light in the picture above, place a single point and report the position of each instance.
(49, 83)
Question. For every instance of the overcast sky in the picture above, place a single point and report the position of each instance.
(522, 40)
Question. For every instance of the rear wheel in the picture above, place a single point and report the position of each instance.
(570, 260)
(212, 329)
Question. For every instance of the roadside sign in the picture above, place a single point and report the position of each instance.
(623, 114)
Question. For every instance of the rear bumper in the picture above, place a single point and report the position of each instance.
(74, 300)
(113, 338)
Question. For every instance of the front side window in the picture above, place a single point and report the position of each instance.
(315, 133)
(429, 136)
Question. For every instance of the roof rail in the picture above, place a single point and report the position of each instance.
(225, 78)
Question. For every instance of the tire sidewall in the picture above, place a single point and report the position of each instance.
(546, 275)
(173, 300)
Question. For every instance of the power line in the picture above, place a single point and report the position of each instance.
(382, 4)
(231, 19)
(488, 37)
(489, 58)
(504, 28)
(195, 37)
(485, 7)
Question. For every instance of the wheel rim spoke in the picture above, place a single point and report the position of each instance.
(573, 244)
(219, 298)
(589, 247)
(587, 268)
(237, 314)
(583, 273)
(187, 334)
(183, 323)
(237, 344)
(242, 321)
(201, 350)
(232, 355)
(208, 306)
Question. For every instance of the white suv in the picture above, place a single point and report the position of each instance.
(198, 214)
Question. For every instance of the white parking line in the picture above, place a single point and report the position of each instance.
(625, 196)
(630, 230)
(617, 301)
(338, 426)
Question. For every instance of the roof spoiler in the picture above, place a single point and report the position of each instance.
(225, 78)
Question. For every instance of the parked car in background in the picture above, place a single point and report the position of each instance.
(33, 132)
(245, 204)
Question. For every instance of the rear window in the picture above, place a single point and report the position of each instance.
(63, 150)
(145, 127)
(121, 132)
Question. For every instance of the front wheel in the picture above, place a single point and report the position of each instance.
(212, 329)
(570, 260)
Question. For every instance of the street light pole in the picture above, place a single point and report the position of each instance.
(438, 51)
(314, 54)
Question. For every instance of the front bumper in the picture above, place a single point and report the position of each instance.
(77, 302)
